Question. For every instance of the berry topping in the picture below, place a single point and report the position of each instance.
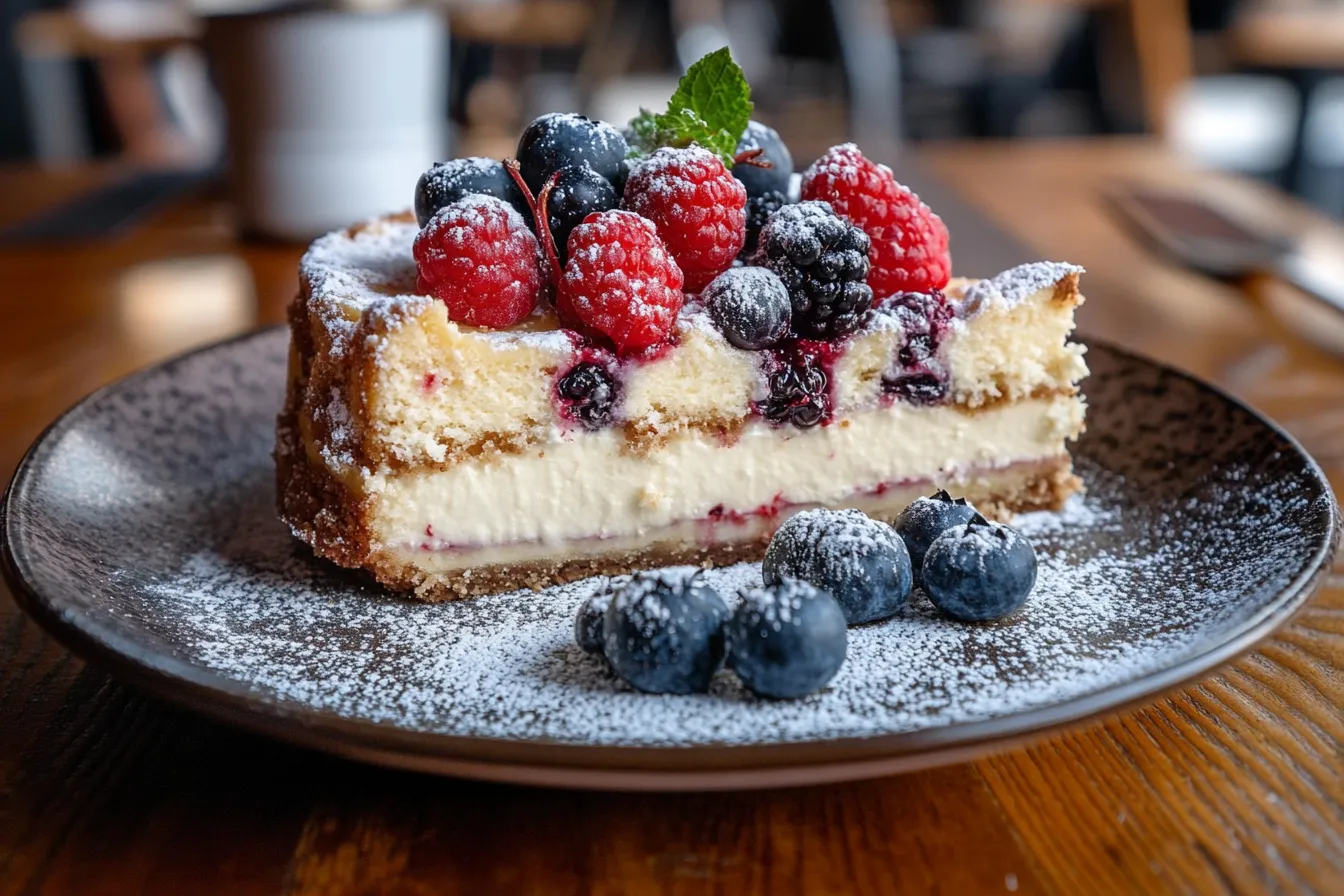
(447, 182)
(799, 394)
(589, 621)
(663, 632)
(579, 191)
(698, 207)
(823, 260)
(561, 139)
(764, 142)
(750, 306)
(479, 258)
(620, 281)
(862, 562)
(909, 241)
(927, 518)
(788, 640)
(919, 375)
(588, 394)
(759, 210)
(979, 571)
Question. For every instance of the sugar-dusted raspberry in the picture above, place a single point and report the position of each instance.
(479, 258)
(620, 281)
(909, 252)
(698, 207)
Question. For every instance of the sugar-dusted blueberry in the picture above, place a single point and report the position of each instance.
(447, 182)
(664, 631)
(588, 622)
(750, 306)
(860, 561)
(561, 139)
(979, 570)
(757, 179)
(927, 518)
(577, 193)
(786, 640)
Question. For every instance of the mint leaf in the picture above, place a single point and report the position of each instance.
(711, 107)
(717, 91)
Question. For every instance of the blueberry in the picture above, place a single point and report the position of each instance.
(578, 193)
(926, 519)
(664, 631)
(589, 393)
(589, 620)
(979, 570)
(448, 182)
(760, 181)
(751, 307)
(860, 561)
(561, 139)
(786, 640)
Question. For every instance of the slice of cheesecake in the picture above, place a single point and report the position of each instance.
(453, 461)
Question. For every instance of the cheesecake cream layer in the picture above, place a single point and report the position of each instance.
(591, 485)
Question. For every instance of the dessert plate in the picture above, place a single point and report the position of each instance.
(140, 531)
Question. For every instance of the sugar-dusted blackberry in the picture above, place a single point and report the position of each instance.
(799, 394)
(447, 182)
(578, 192)
(758, 179)
(759, 210)
(750, 306)
(823, 260)
(560, 139)
(588, 394)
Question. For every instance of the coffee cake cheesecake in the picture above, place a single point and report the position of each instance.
(455, 460)
(623, 350)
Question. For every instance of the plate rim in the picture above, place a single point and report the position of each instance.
(626, 767)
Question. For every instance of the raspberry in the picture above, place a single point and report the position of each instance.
(698, 207)
(909, 241)
(621, 281)
(479, 258)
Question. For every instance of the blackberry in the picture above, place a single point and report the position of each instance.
(578, 193)
(447, 182)
(589, 394)
(759, 210)
(799, 394)
(823, 261)
(561, 139)
(759, 180)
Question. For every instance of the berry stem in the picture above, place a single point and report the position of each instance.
(542, 221)
(752, 157)
(544, 227)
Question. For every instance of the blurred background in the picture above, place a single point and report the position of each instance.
(371, 91)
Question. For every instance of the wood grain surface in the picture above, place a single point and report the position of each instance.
(1231, 786)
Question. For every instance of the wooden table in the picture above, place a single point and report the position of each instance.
(1234, 785)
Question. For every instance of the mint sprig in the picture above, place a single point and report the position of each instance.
(711, 107)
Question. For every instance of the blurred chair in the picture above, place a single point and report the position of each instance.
(131, 45)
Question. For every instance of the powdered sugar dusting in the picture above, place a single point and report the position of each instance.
(506, 666)
(151, 511)
(1015, 285)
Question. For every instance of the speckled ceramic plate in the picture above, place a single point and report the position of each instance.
(140, 532)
